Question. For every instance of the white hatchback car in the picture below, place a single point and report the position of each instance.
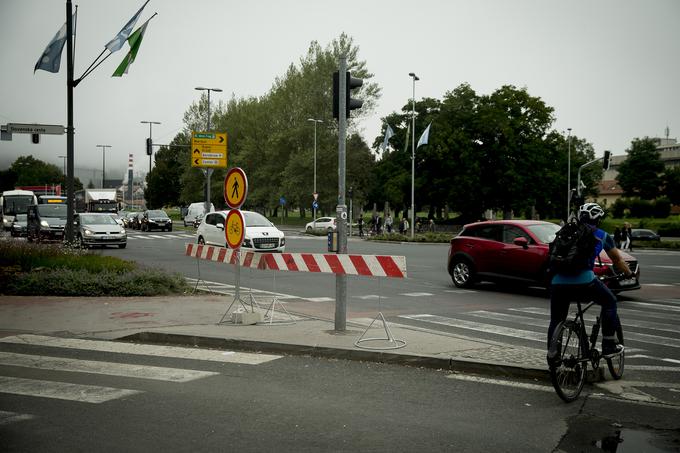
(326, 224)
(261, 235)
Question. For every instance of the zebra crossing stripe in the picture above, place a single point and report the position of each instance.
(62, 390)
(480, 327)
(515, 384)
(7, 418)
(619, 309)
(108, 368)
(142, 349)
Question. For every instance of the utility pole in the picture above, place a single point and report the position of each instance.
(208, 171)
(340, 279)
(103, 147)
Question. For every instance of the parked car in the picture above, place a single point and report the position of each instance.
(18, 226)
(195, 210)
(516, 250)
(326, 224)
(260, 235)
(155, 219)
(641, 234)
(46, 222)
(99, 229)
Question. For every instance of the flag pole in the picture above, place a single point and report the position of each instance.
(70, 195)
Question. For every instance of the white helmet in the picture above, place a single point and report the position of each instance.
(590, 212)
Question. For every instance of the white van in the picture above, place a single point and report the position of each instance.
(194, 210)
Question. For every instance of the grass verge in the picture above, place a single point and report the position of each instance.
(54, 270)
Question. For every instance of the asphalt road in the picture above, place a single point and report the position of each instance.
(81, 395)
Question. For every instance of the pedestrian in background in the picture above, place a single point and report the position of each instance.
(629, 237)
(360, 222)
(431, 226)
(625, 238)
(617, 237)
(388, 223)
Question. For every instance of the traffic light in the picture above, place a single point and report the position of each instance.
(35, 138)
(149, 149)
(606, 160)
(350, 104)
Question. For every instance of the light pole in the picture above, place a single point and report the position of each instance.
(568, 172)
(413, 154)
(150, 123)
(64, 158)
(208, 171)
(314, 193)
(103, 147)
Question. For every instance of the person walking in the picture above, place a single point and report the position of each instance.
(629, 237)
(388, 223)
(625, 238)
(360, 222)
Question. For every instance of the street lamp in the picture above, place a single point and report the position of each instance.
(314, 193)
(150, 123)
(103, 147)
(217, 90)
(64, 158)
(208, 171)
(568, 172)
(413, 154)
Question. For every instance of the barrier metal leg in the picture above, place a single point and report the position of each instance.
(393, 343)
(237, 290)
(272, 310)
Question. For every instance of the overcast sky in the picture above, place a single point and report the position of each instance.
(609, 68)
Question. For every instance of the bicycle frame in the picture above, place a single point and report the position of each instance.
(589, 351)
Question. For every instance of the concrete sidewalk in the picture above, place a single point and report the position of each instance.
(193, 320)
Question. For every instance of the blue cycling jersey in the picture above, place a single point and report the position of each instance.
(604, 241)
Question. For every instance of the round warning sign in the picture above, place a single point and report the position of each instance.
(235, 188)
(234, 229)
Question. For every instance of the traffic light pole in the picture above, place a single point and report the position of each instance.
(341, 210)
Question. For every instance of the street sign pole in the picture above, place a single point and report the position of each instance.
(70, 194)
(341, 210)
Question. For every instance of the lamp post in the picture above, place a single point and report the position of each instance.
(150, 123)
(208, 171)
(64, 158)
(568, 173)
(314, 193)
(413, 154)
(103, 147)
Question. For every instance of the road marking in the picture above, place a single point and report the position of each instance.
(460, 291)
(416, 294)
(108, 368)
(673, 369)
(155, 236)
(643, 356)
(479, 327)
(318, 299)
(370, 297)
(142, 349)
(667, 267)
(619, 309)
(482, 380)
(12, 417)
(657, 284)
(661, 307)
(62, 390)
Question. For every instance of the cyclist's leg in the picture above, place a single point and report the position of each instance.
(559, 307)
(607, 300)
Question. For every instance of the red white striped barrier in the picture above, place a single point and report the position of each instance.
(366, 265)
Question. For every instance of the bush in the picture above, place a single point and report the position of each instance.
(38, 269)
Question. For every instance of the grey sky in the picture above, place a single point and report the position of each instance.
(609, 68)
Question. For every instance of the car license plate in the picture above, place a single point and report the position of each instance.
(267, 246)
(107, 237)
(627, 282)
(58, 233)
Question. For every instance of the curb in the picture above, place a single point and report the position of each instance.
(456, 365)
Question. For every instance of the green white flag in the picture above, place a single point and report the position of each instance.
(135, 40)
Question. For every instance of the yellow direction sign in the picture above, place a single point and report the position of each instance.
(209, 149)
(235, 188)
(234, 229)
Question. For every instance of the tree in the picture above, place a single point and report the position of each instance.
(671, 184)
(640, 174)
(33, 172)
(164, 186)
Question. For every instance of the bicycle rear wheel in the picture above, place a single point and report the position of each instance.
(615, 364)
(568, 368)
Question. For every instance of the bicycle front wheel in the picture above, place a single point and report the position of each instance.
(568, 368)
(615, 364)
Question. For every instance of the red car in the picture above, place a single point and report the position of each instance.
(516, 250)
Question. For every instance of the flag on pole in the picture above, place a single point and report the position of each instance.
(117, 42)
(50, 60)
(423, 138)
(408, 130)
(135, 40)
(389, 133)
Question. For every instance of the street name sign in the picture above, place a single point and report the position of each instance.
(19, 128)
(209, 149)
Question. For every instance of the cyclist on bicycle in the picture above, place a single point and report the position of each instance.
(586, 286)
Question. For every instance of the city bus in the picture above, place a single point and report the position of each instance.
(51, 199)
(13, 202)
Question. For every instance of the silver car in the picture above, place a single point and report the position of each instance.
(99, 229)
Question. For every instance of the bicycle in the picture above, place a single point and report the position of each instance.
(575, 348)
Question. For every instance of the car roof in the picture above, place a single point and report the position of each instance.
(508, 222)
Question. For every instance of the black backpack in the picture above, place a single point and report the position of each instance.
(572, 249)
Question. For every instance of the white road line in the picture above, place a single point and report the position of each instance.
(480, 327)
(666, 267)
(62, 390)
(661, 285)
(673, 369)
(460, 291)
(654, 306)
(370, 297)
(623, 311)
(142, 349)
(108, 368)
(416, 294)
(318, 299)
(643, 356)
(515, 384)
(7, 418)
(155, 236)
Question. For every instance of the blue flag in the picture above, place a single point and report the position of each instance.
(117, 42)
(50, 60)
(389, 133)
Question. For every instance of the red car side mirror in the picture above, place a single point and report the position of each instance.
(521, 242)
